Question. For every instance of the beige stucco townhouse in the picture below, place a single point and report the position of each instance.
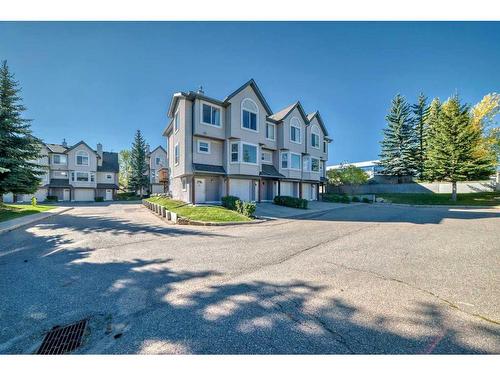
(238, 146)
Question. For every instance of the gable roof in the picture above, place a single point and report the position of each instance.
(316, 114)
(55, 148)
(157, 149)
(78, 144)
(257, 91)
(279, 116)
(109, 162)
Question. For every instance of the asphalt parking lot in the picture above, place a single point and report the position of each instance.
(358, 279)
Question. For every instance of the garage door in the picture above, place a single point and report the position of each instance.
(306, 191)
(84, 195)
(241, 189)
(286, 188)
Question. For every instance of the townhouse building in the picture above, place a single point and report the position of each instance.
(157, 161)
(238, 146)
(75, 173)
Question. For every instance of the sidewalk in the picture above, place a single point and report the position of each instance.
(9, 225)
(273, 211)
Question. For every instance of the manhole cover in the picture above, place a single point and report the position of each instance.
(60, 340)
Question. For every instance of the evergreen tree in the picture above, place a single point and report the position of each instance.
(452, 153)
(420, 117)
(397, 156)
(138, 179)
(19, 149)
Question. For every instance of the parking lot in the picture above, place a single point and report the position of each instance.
(356, 279)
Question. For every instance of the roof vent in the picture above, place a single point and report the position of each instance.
(200, 90)
(64, 144)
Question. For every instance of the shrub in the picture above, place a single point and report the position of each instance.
(248, 209)
(51, 198)
(355, 199)
(366, 200)
(99, 199)
(33, 201)
(331, 197)
(284, 200)
(344, 199)
(229, 202)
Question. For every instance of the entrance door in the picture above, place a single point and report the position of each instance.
(313, 192)
(199, 190)
(66, 195)
(109, 194)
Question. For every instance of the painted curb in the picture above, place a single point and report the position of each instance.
(34, 220)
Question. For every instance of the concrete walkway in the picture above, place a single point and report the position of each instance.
(273, 211)
(7, 226)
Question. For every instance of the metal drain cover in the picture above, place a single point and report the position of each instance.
(61, 340)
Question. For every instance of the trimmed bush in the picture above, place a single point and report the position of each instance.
(344, 199)
(99, 199)
(355, 199)
(284, 200)
(331, 197)
(248, 209)
(51, 198)
(366, 200)
(229, 202)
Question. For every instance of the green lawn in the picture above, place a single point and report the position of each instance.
(469, 199)
(13, 211)
(199, 213)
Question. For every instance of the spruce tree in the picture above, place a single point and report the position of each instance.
(452, 153)
(420, 118)
(138, 179)
(397, 156)
(19, 149)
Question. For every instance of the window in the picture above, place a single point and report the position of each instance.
(315, 140)
(82, 176)
(152, 175)
(157, 161)
(109, 176)
(284, 160)
(249, 115)
(59, 159)
(59, 174)
(294, 161)
(176, 154)
(249, 153)
(270, 131)
(92, 177)
(82, 158)
(210, 115)
(314, 165)
(325, 146)
(203, 147)
(183, 181)
(176, 122)
(266, 157)
(295, 130)
(321, 168)
(306, 164)
(72, 176)
(234, 152)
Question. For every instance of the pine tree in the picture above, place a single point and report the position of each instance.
(420, 118)
(452, 153)
(398, 145)
(138, 179)
(19, 149)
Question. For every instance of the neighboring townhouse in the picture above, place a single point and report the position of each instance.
(238, 146)
(157, 162)
(75, 173)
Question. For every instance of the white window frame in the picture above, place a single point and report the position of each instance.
(177, 154)
(315, 131)
(319, 165)
(199, 141)
(213, 107)
(321, 168)
(325, 147)
(60, 156)
(274, 131)
(184, 183)
(78, 153)
(306, 163)
(80, 172)
(299, 127)
(251, 111)
(157, 160)
(231, 152)
(256, 153)
(270, 161)
(286, 153)
(300, 161)
(177, 120)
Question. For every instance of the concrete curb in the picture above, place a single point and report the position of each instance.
(433, 205)
(31, 219)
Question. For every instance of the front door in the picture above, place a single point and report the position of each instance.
(109, 194)
(199, 190)
(313, 192)
(66, 195)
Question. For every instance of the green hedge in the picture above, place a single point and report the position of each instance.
(99, 199)
(229, 202)
(236, 204)
(51, 198)
(284, 200)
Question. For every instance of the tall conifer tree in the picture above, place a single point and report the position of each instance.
(420, 117)
(138, 179)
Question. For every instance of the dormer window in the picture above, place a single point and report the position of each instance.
(82, 158)
(295, 130)
(249, 115)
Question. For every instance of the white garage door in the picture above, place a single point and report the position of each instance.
(286, 188)
(306, 191)
(84, 195)
(241, 189)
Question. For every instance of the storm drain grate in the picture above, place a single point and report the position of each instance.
(62, 340)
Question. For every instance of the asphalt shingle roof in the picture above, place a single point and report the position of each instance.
(269, 170)
(208, 168)
(109, 162)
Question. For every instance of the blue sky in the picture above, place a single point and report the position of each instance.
(102, 81)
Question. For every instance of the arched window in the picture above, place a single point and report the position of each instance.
(82, 158)
(249, 115)
(295, 130)
(315, 137)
